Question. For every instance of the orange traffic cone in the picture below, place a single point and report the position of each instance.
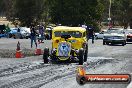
(38, 51)
(18, 51)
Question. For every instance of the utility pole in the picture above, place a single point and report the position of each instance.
(109, 19)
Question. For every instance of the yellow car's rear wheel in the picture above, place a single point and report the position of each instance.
(46, 55)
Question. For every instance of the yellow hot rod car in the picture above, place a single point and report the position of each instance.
(68, 44)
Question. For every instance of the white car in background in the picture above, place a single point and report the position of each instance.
(100, 35)
(25, 29)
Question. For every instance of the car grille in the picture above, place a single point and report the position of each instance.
(116, 37)
(64, 49)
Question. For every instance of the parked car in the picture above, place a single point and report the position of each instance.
(48, 33)
(25, 29)
(128, 33)
(100, 35)
(114, 36)
(68, 44)
(2, 31)
(2, 35)
(15, 34)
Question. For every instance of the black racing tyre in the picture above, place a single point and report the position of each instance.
(86, 54)
(103, 42)
(112, 43)
(82, 81)
(80, 57)
(123, 44)
(46, 55)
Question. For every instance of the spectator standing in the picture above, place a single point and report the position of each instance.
(41, 32)
(33, 36)
(7, 30)
(91, 33)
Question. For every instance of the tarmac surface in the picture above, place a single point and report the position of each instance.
(31, 72)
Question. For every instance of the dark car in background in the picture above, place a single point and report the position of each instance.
(2, 31)
(128, 33)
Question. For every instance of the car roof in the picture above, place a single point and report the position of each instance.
(66, 28)
(128, 29)
(116, 29)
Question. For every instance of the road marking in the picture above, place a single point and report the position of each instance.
(100, 58)
(37, 62)
(130, 84)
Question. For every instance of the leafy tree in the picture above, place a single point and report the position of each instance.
(67, 12)
(2, 7)
(72, 12)
(120, 11)
(29, 11)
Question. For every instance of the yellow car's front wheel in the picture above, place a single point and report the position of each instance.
(81, 56)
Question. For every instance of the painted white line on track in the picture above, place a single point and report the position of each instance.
(100, 58)
(130, 85)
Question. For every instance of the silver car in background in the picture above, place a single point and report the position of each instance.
(24, 33)
(100, 35)
(114, 36)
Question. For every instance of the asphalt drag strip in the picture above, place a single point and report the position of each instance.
(33, 73)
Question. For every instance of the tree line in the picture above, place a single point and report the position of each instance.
(67, 12)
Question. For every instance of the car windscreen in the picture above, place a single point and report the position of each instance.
(119, 31)
(75, 34)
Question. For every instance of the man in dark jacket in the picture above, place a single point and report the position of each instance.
(33, 36)
(91, 33)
